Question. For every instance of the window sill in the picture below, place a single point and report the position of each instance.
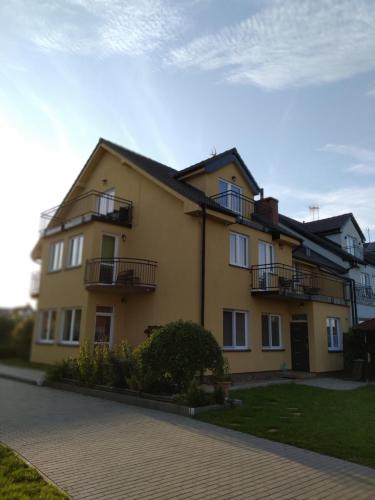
(238, 266)
(335, 351)
(54, 271)
(69, 344)
(68, 268)
(233, 349)
(273, 349)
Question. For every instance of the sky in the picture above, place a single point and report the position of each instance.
(290, 83)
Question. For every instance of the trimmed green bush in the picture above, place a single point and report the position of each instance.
(175, 353)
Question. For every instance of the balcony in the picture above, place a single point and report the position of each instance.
(93, 205)
(355, 250)
(240, 205)
(35, 284)
(365, 295)
(120, 275)
(286, 282)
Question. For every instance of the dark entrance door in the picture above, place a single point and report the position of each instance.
(299, 338)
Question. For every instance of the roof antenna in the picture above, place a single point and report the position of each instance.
(314, 212)
(213, 151)
(368, 234)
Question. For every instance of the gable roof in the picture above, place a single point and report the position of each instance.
(218, 161)
(166, 175)
(302, 228)
(331, 225)
(370, 247)
(317, 259)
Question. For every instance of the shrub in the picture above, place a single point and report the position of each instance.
(219, 395)
(86, 365)
(354, 348)
(22, 337)
(195, 396)
(174, 354)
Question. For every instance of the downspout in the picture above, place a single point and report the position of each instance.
(353, 302)
(203, 263)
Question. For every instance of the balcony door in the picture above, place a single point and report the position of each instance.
(107, 271)
(106, 202)
(231, 196)
(266, 257)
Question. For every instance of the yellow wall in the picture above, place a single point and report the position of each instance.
(161, 231)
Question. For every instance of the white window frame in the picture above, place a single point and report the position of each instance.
(71, 329)
(329, 324)
(50, 331)
(106, 202)
(56, 256)
(74, 257)
(271, 347)
(229, 199)
(234, 260)
(234, 347)
(108, 314)
(351, 244)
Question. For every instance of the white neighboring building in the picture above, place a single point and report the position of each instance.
(340, 240)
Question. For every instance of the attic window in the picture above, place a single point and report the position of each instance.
(308, 251)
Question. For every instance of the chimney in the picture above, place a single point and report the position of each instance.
(268, 209)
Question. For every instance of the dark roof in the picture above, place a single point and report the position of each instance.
(369, 257)
(302, 228)
(332, 225)
(366, 326)
(166, 175)
(217, 161)
(317, 259)
(369, 247)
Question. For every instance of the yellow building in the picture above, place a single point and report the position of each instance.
(136, 244)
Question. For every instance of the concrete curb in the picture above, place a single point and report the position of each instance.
(134, 400)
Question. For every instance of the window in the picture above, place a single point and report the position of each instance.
(75, 251)
(351, 245)
(71, 323)
(238, 250)
(334, 334)
(103, 325)
(231, 196)
(106, 202)
(234, 330)
(266, 259)
(56, 256)
(46, 326)
(271, 331)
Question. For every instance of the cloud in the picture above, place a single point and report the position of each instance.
(358, 200)
(101, 27)
(371, 92)
(290, 43)
(365, 157)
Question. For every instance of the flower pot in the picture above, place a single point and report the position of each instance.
(225, 384)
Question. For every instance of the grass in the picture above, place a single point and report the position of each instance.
(18, 481)
(336, 423)
(23, 363)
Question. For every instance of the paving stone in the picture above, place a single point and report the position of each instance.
(97, 449)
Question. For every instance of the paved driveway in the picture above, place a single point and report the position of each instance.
(99, 449)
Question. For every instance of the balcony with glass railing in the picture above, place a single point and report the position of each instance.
(355, 250)
(93, 205)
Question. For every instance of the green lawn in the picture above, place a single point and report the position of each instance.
(18, 481)
(23, 363)
(337, 423)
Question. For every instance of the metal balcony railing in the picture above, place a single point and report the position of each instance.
(355, 250)
(123, 273)
(93, 205)
(241, 205)
(365, 294)
(35, 284)
(289, 281)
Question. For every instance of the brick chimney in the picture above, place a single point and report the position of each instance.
(268, 209)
